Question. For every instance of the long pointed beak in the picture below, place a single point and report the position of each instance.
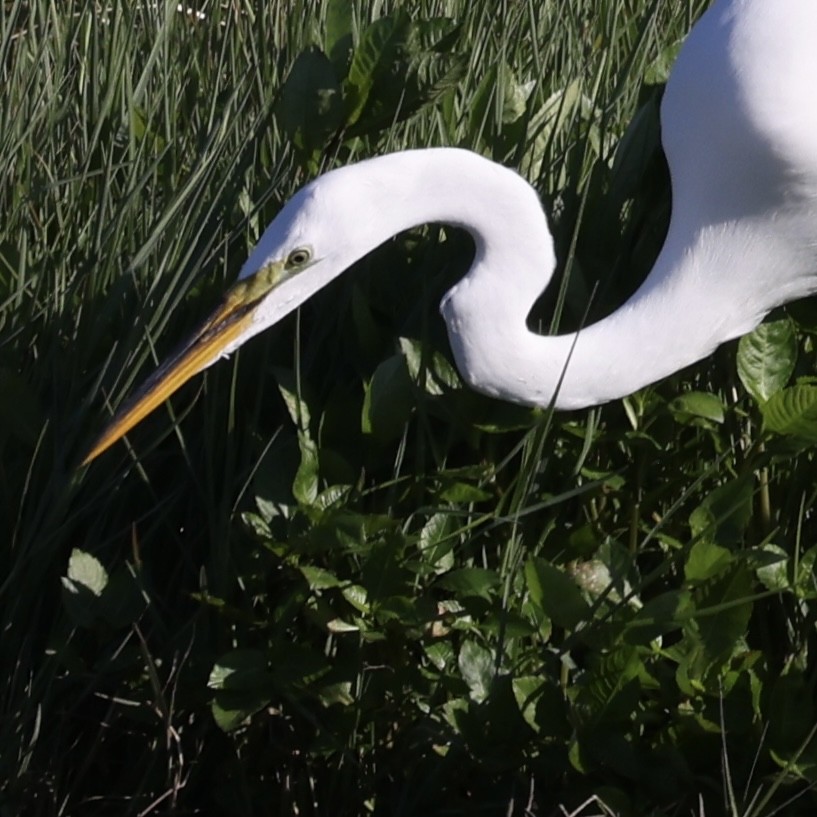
(214, 338)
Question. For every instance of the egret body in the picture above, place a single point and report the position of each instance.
(738, 126)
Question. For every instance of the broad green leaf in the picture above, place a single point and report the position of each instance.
(389, 400)
(305, 487)
(659, 70)
(83, 588)
(339, 626)
(471, 581)
(766, 358)
(398, 67)
(526, 692)
(437, 374)
(723, 516)
(231, 710)
(660, 615)
(318, 578)
(434, 34)
(477, 668)
(87, 571)
(440, 653)
(793, 412)
(340, 693)
(310, 107)
(724, 612)
(706, 560)
(775, 575)
(242, 685)
(305, 484)
(436, 542)
(805, 582)
(461, 493)
(698, 404)
(378, 51)
(256, 524)
(480, 107)
(294, 400)
(239, 669)
(609, 675)
(338, 40)
(556, 593)
(357, 597)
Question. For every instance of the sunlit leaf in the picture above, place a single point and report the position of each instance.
(766, 358)
(793, 412)
(87, 571)
(477, 667)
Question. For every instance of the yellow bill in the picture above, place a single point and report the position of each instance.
(218, 334)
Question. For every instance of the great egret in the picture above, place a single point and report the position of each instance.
(738, 128)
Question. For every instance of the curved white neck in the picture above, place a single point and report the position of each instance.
(677, 316)
(738, 131)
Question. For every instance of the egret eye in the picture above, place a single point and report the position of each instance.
(297, 258)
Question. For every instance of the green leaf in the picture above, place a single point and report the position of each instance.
(471, 581)
(310, 108)
(436, 542)
(433, 375)
(338, 40)
(526, 692)
(726, 612)
(83, 587)
(609, 677)
(660, 615)
(377, 53)
(556, 593)
(398, 67)
(479, 109)
(297, 406)
(804, 581)
(705, 561)
(461, 493)
(792, 412)
(242, 685)
(698, 404)
(766, 358)
(87, 571)
(356, 595)
(477, 668)
(388, 401)
(724, 515)
(305, 486)
(775, 574)
(318, 578)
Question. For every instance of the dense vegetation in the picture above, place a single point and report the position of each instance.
(327, 578)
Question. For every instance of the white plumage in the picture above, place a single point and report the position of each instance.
(739, 126)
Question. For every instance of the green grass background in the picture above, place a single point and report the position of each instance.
(327, 578)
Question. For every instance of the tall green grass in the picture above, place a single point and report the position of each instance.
(327, 578)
